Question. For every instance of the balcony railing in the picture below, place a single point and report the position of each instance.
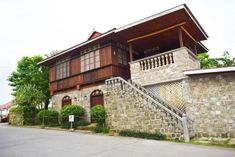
(163, 59)
(156, 61)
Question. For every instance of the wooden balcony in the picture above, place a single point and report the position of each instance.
(89, 77)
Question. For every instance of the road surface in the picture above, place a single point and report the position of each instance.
(29, 142)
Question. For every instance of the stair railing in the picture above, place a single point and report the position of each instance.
(145, 94)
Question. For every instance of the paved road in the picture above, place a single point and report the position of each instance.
(28, 142)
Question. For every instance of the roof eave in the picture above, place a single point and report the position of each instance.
(163, 13)
(76, 46)
(209, 71)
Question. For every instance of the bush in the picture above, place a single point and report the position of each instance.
(23, 115)
(30, 115)
(50, 117)
(98, 113)
(82, 122)
(75, 110)
(101, 129)
(138, 134)
(16, 115)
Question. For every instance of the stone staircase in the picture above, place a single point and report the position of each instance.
(118, 85)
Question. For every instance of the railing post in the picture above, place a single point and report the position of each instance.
(185, 128)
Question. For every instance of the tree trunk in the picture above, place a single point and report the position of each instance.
(46, 104)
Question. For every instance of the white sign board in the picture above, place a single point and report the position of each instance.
(71, 118)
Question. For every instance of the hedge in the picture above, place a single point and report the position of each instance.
(48, 117)
(146, 135)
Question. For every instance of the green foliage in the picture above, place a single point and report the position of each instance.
(75, 110)
(98, 113)
(28, 95)
(23, 115)
(30, 115)
(16, 115)
(28, 72)
(82, 122)
(138, 134)
(101, 129)
(16, 110)
(48, 117)
(224, 61)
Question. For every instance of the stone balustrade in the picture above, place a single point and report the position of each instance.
(163, 67)
(156, 61)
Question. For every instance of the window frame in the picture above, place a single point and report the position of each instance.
(90, 58)
(62, 68)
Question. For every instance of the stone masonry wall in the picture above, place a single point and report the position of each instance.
(127, 110)
(211, 104)
(81, 97)
(183, 60)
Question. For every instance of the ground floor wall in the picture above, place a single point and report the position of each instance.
(80, 97)
(210, 104)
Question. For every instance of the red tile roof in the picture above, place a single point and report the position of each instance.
(6, 105)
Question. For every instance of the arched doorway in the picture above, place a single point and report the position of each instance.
(97, 98)
(66, 101)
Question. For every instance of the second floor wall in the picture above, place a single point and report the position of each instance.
(91, 65)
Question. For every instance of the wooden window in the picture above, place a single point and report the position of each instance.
(122, 56)
(63, 68)
(90, 58)
(122, 52)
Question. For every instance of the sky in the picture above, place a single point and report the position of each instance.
(32, 27)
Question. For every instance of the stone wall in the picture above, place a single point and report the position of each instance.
(81, 97)
(211, 104)
(184, 59)
(127, 110)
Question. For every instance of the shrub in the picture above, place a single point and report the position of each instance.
(75, 110)
(23, 115)
(138, 134)
(30, 115)
(101, 129)
(98, 113)
(16, 109)
(50, 117)
(82, 122)
(16, 115)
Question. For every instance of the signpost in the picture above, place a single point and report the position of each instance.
(71, 120)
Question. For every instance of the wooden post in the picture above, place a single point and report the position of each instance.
(130, 52)
(180, 37)
(195, 48)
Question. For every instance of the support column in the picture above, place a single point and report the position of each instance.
(195, 48)
(180, 37)
(185, 128)
(130, 52)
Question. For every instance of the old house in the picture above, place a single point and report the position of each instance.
(166, 89)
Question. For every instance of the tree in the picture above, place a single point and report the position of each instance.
(28, 72)
(224, 61)
(29, 95)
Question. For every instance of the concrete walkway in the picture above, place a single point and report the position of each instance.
(29, 142)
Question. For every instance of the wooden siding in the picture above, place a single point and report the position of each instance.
(89, 77)
(75, 66)
(52, 74)
(106, 56)
(108, 68)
